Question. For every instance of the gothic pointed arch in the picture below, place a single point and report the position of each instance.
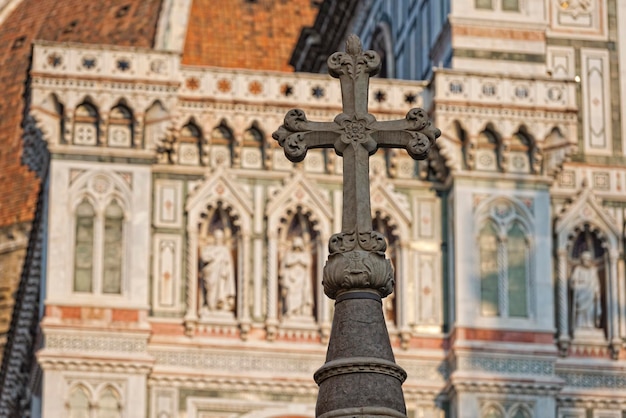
(389, 203)
(589, 247)
(120, 129)
(299, 226)
(219, 214)
(586, 209)
(254, 147)
(492, 410)
(490, 150)
(300, 191)
(101, 207)
(524, 154)
(223, 145)
(382, 43)
(109, 403)
(79, 401)
(505, 254)
(191, 144)
(86, 124)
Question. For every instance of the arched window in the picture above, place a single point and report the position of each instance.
(109, 404)
(488, 244)
(120, 130)
(113, 248)
(521, 412)
(86, 125)
(517, 248)
(99, 239)
(84, 245)
(190, 145)
(492, 411)
(500, 5)
(78, 403)
(510, 5)
(504, 263)
(381, 43)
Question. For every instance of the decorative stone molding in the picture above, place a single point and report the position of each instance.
(69, 364)
(506, 365)
(287, 363)
(74, 342)
(220, 383)
(552, 103)
(542, 388)
(589, 380)
(359, 365)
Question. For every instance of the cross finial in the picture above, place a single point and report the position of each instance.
(355, 134)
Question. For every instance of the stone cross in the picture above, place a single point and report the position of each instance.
(360, 377)
(355, 134)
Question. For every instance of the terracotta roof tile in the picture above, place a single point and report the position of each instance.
(248, 34)
(119, 22)
(227, 33)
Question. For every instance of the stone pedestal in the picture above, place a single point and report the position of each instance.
(360, 377)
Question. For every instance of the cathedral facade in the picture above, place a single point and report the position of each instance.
(174, 262)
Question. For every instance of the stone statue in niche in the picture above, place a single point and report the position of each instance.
(586, 302)
(295, 281)
(218, 275)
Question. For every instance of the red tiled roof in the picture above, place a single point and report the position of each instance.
(117, 22)
(257, 35)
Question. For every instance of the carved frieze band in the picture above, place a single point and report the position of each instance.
(235, 361)
(95, 343)
(596, 380)
(359, 365)
(507, 365)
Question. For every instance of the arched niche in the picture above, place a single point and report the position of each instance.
(218, 237)
(218, 204)
(86, 124)
(253, 147)
(190, 144)
(299, 266)
(298, 195)
(120, 127)
(489, 150)
(222, 145)
(584, 226)
(524, 155)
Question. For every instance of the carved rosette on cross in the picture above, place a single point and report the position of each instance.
(357, 254)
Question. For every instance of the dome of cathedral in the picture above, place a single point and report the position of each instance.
(224, 33)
